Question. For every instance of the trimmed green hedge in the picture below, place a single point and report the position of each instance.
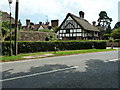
(30, 47)
(99, 45)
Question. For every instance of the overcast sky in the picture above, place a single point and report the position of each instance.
(40, 10)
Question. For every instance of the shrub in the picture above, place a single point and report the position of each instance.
(100, 45)
(6, 48)
(116, 33)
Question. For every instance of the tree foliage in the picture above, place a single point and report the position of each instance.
(5, 29)
(55, 29)
(117, 25)
(116, 33)
(104, 20)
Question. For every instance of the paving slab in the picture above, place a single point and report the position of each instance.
(35, 56)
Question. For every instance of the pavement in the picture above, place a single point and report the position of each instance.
(38, 56)
(113, 48)
(90, 70)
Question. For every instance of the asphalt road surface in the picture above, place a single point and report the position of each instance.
(91, 70)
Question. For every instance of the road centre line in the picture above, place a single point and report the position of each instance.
(42, 73)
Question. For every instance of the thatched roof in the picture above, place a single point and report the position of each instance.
(82, 22)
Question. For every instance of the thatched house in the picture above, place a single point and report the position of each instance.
(77, 28)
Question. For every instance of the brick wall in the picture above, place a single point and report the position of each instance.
(34, 35)
(115, 44)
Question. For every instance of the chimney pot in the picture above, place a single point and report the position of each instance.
(81, 13)
(94, 23)
(54, 23)
(27, 22)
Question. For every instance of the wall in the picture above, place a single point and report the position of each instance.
(115, 44)
(34, 35)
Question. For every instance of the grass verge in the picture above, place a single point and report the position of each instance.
(58, 53)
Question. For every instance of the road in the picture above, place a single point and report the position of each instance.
(91, 70)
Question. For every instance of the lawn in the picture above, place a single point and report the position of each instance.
(58, 53)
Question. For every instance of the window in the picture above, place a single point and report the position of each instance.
(71, 35)
(60, 35)
(63, 31)
(67, 30)
(67, 35)
(78, 34)
(78, 30)
(60, 31)
(75, 30)
(71, 31)
(74, 34)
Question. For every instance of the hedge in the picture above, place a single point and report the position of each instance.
(99, 45)
(30, 47)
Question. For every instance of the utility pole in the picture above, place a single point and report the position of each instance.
(10, 36)
(10, 2)
(16, 27)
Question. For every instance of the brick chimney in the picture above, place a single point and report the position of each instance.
(54, 23)
(94, 23)
(81, 13)
(27, 22)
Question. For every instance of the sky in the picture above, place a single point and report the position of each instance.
(41, 10)
(119, 11)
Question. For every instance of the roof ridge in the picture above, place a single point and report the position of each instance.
(79, 17)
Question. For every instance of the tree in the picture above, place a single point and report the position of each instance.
(5, 29)
(104, 20)
(20, 25)
(106, 36)
(117, 25)
(55, 29)
(116, 33)
(104, 23)
(108, 30)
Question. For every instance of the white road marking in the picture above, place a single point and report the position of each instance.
(75, 67)
(112, 60)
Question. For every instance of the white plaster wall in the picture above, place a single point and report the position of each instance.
(69, 18)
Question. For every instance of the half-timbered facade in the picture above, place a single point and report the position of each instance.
(76, 28)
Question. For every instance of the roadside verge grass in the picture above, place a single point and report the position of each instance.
(58, 53)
